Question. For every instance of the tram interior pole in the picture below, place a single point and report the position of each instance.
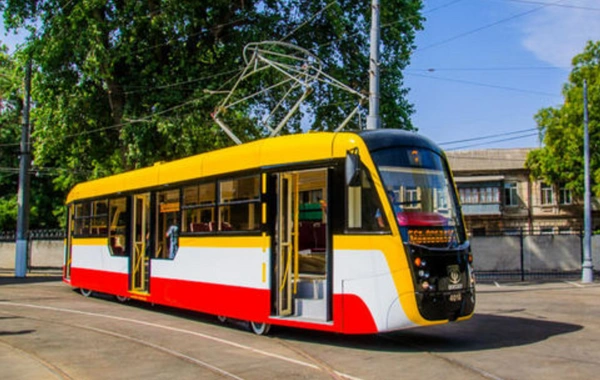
(373, 119)
(587, 275)
(22, 243)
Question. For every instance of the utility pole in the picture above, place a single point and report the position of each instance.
(22, 251)
(373, 120)
(587, 275)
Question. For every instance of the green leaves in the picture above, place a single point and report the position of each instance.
(561, 159)
(120, 84)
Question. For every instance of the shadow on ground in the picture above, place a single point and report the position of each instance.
(482, 332)
(30, 279)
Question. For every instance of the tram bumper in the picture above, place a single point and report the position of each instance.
(449, 305)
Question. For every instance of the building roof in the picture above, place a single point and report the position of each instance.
(488, 159)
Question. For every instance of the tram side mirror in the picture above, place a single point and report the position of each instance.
(352, 168)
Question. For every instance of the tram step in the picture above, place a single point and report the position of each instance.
(310, 308)
(311, 288)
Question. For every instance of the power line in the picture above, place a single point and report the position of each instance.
(533, 92)
(139, 120)
(307, 21)
(488, 136)
(495, 141)
(473, 31)
(555, 5)
(481, 158)
(507, 68)
(383, 26)
(162, 87)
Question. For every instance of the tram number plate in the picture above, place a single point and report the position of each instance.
(455, 297)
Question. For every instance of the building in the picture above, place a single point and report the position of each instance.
(498, 195)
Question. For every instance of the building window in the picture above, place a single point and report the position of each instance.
(565, 196)
(510, 194)
(482, 195)
(547, 196)
(489, 195)
(411, 198)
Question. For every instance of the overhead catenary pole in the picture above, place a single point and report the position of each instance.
(587, 275)
(22, 243)
(373, 119)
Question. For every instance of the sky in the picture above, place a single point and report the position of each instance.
(486, 67)
(483, 68)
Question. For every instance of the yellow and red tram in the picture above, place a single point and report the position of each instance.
(354, 233)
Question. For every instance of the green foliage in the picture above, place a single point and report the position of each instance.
(120, 84)
(10, 109)
(560, 160)
(43, 196)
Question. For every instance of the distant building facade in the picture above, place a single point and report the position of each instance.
(498, 195)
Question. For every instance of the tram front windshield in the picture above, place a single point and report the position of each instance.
(422, 196)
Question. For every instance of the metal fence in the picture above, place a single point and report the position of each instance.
(499, 255)
(42, 234)
(531, 255)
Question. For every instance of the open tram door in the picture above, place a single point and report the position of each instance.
(69, 245)
(139, 276)
(301, 246)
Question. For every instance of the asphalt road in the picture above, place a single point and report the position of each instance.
(520, 331)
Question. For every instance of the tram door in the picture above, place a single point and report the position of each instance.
(140, 258)
(68, 246)
(286, 244)
(301, 245)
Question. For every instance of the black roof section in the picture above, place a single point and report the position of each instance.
(377, 139)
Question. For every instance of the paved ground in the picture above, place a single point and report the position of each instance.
(520, 331)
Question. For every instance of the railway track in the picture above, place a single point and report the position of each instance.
(310, 361)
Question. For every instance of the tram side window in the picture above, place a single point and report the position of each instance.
(118, 217)
(239, 204)
(90, 218)
(199, 204)
(167, 227)
(364, 206)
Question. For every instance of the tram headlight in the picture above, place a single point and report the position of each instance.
(419, 263)
(423, 274)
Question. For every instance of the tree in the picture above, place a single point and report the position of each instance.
(120, 84)
(11, 108)
(560, 160)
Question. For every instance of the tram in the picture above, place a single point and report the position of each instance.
(349, 232)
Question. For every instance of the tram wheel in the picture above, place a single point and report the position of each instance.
(85, 292)
(222, 318)
(122, 299)
(260, 328)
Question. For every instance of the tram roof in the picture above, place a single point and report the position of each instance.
(289, 149)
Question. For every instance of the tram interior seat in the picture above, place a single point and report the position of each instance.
(312, 236)
(209, 227)
(200, 227)
(116, 247)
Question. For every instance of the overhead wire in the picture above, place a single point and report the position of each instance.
(487, 26)
(495, 141)
(473, 83)
(556, 5)
(488, 136)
